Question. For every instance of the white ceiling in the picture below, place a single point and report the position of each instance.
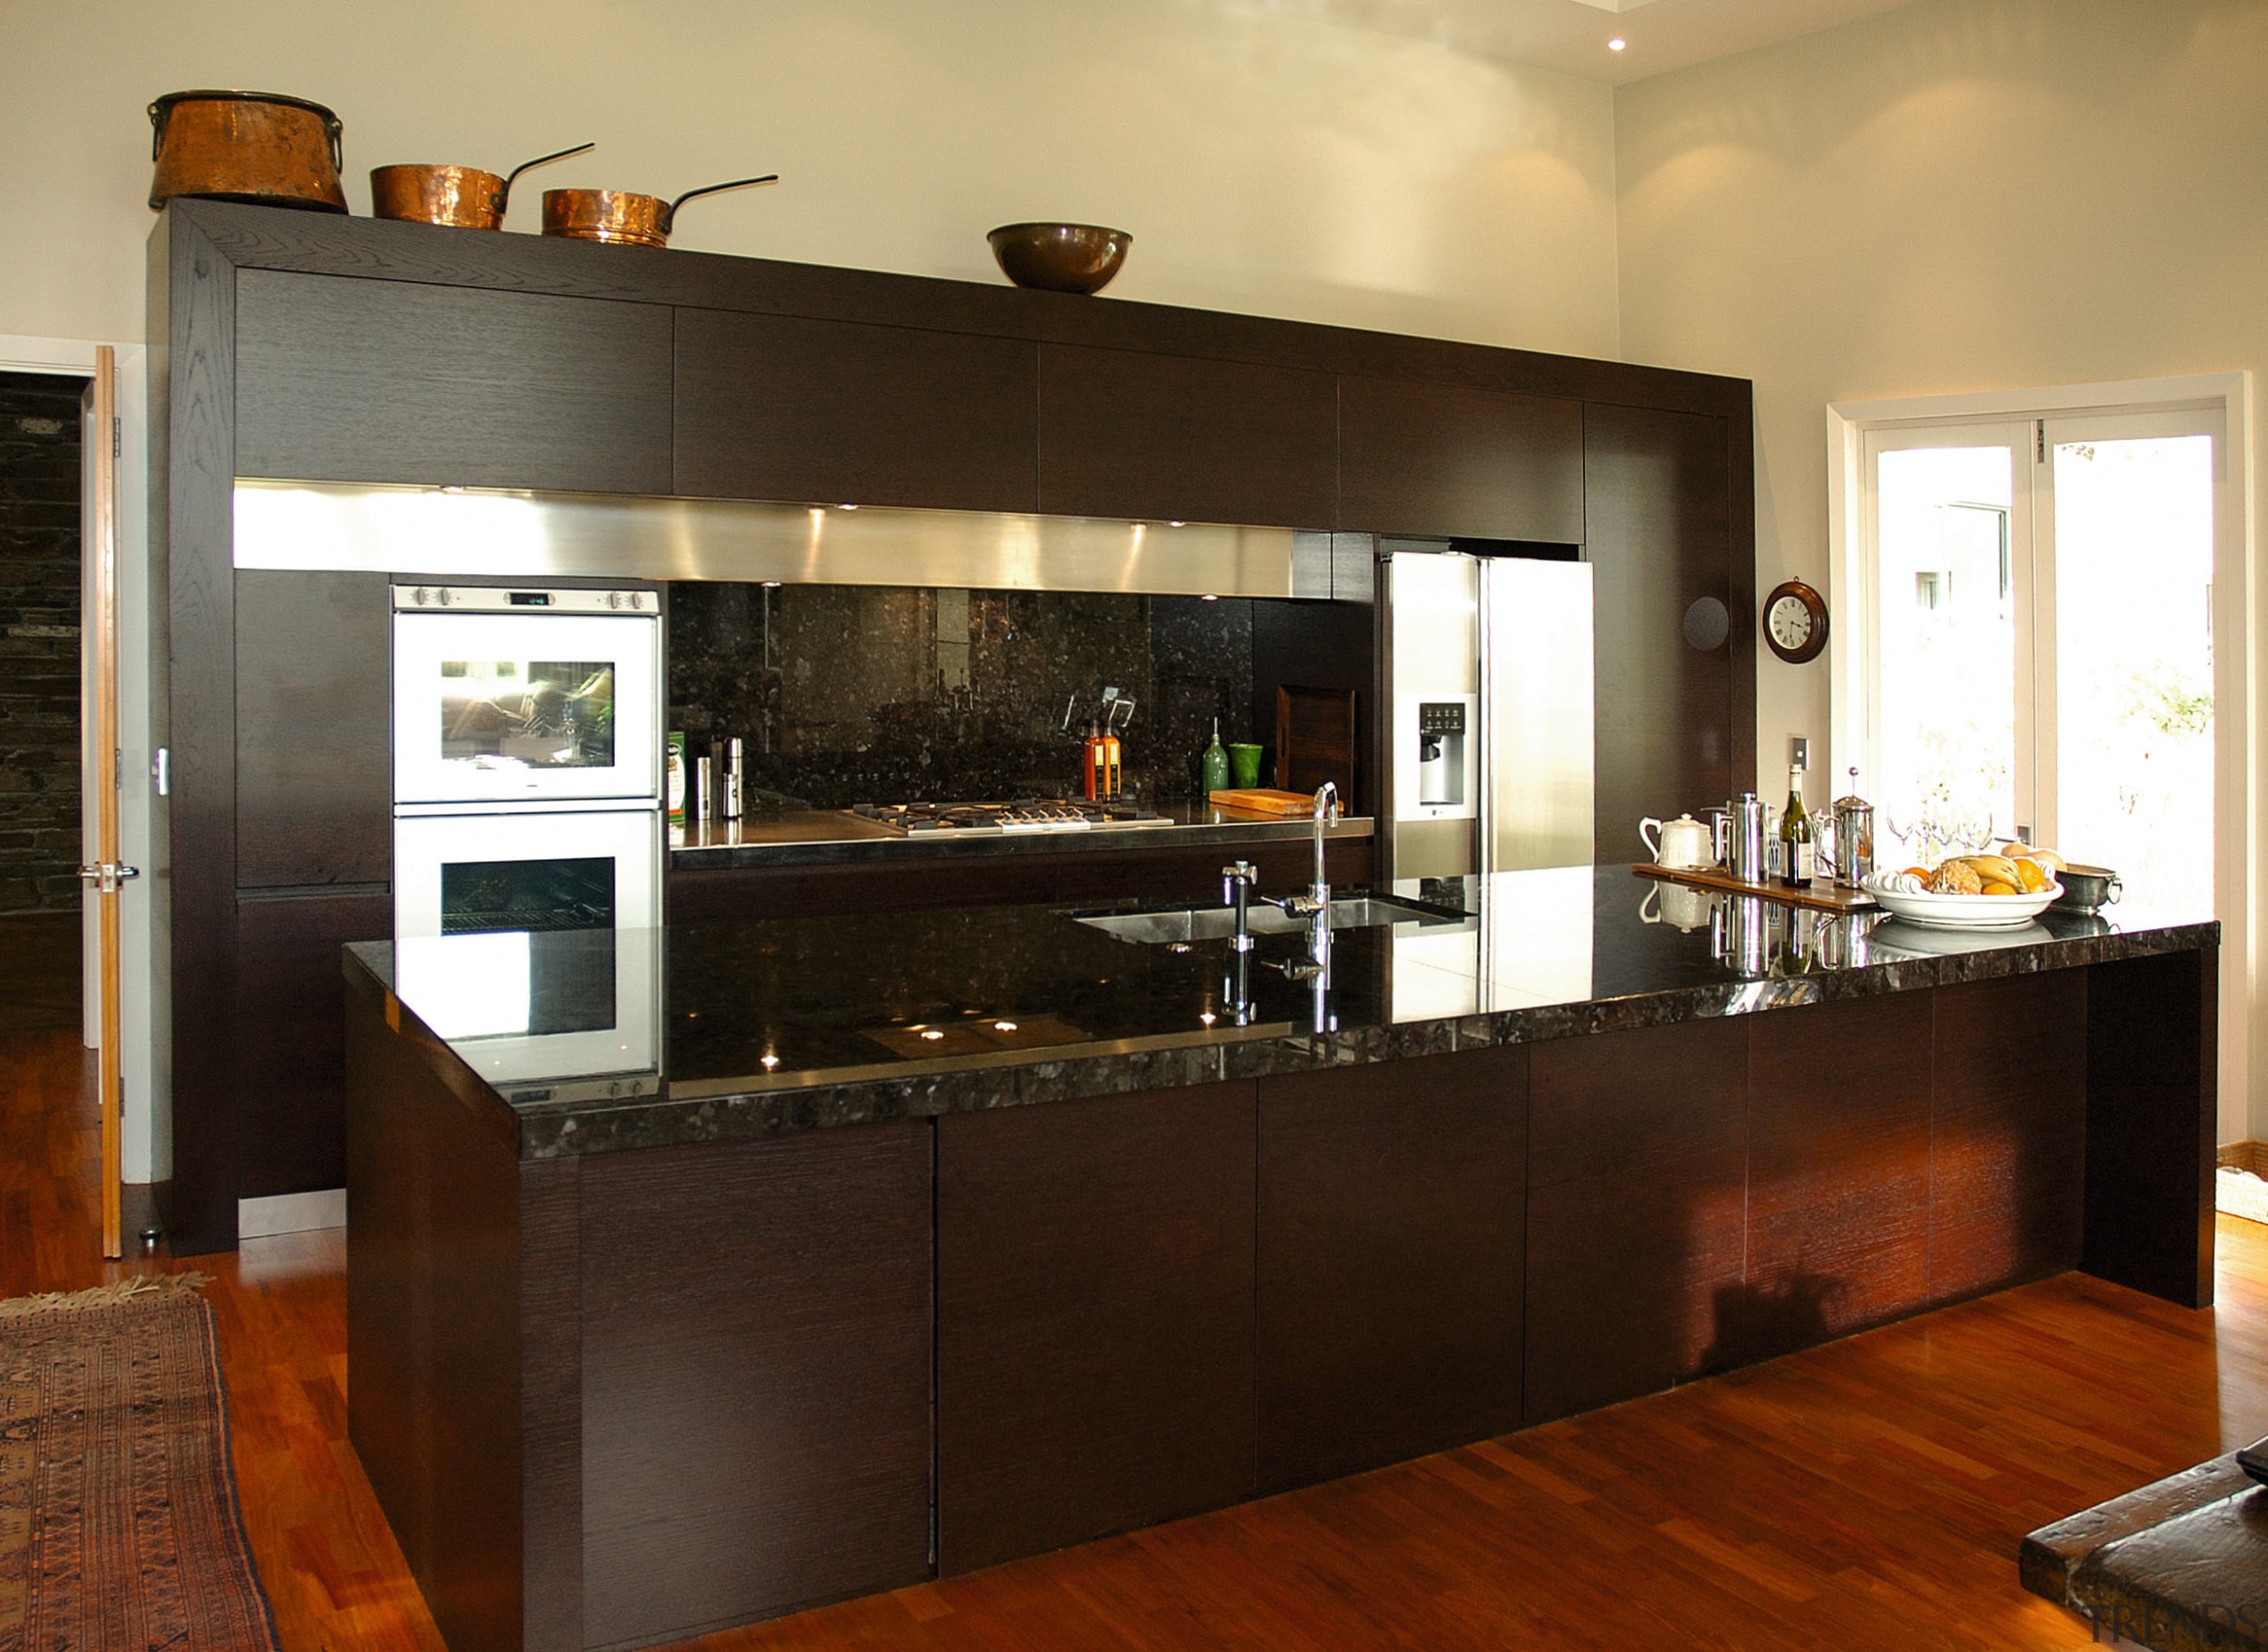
(1571, 35)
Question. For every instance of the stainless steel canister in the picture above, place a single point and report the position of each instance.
(1854, 826)
(1744, 854)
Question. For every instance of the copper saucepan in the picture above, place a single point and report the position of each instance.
(463, 197)
(618, 216)
(245, 146)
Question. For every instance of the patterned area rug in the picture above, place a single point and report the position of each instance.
(119, 1525)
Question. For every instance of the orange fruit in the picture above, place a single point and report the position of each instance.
(1997, 888)
(1922, 872)
(2034, 876)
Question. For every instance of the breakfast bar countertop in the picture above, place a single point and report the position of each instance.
(756, 1027)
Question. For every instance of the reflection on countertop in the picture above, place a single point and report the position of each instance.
(793, 837)
(796, 1023)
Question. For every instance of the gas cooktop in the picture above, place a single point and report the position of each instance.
(1025, 814)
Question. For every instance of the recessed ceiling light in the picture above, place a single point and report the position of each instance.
(933, 1034)
(1617, 43)
(1004, 1027)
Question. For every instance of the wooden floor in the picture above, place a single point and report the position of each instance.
(1866, 1495)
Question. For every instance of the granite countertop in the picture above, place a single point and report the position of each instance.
(777, 837)
(599, 1041)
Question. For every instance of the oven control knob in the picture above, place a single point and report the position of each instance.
(442, 596)
(637, 598)
(614, 599)
(418, 596)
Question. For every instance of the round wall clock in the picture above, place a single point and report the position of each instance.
(1795, 621)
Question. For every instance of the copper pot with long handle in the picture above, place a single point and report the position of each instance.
(619, 216)
(260, 147)
(460, 198)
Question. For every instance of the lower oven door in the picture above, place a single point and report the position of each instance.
(529, 942)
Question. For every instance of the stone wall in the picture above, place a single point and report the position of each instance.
(39, 642)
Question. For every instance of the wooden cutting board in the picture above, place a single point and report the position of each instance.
(1261, 800)
(1820, 896)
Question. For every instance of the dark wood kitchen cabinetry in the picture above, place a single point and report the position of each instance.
(755, 1397)
(314, 729)
(1132, 434)
(781, 407)
(291, 1070)
(314, 856)
(1673, 723)
(1094, 1318)
(2009, 1144)
(1455, 461)
(303, 346)
(1392, 1241)
(1636, 1196)
(389, 381)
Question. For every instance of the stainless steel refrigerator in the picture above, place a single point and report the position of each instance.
(1487, 669)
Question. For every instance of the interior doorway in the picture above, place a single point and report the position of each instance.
(41, 471)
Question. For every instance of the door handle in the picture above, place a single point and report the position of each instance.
(106, 875)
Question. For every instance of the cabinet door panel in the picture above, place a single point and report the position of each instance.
(2008, 1132)
(315, 780)
(1127, 434)
(755, 1370)
(1393, 1223)
(1657, 486)
(393, 381)
(1444, 459)
(1094, 1318)
(1637, 1171)
(1838, 1180)
(291, 1059)
(771, 407)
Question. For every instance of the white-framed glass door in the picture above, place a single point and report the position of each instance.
(2128, 769)
(2036, 641)
(1952, 755)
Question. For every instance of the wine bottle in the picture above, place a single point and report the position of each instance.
(1798, 862)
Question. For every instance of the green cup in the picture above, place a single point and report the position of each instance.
(1244, 766)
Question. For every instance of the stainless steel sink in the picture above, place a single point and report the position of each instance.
(1217, 923)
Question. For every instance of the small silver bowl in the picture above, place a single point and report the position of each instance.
(1060, 257)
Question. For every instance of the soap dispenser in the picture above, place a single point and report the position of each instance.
(1215, 763)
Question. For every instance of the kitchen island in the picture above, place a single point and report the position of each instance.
(847, 1251)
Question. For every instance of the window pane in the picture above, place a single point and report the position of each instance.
(2134, 663)
(1949, 651)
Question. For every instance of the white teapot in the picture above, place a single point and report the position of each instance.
(1684, 844)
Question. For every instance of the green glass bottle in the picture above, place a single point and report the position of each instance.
(1215, 763)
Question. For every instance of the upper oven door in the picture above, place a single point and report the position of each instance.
(524, 708)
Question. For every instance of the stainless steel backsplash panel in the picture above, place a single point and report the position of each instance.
(463, 533)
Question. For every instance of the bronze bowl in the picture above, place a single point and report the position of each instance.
(1060, 257)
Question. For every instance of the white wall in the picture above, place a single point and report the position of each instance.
(1964, 195)
(1271, 164)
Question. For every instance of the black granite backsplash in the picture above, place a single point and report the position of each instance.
(859, 693)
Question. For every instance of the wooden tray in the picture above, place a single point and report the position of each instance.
(1820, 896)
(1261, 800)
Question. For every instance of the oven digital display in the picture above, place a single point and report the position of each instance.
(536, 714)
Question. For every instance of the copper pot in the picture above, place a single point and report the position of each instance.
(462, 197)
(245, 146)
(618, 216)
